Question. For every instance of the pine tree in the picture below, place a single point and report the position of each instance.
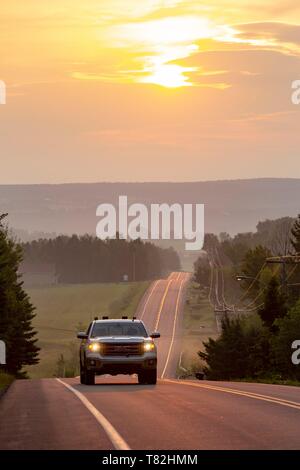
(16, 310)
(296, 235)
(275, 305)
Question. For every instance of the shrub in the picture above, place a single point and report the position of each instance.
(241, 351)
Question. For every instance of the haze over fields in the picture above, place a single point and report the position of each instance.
(232, 206)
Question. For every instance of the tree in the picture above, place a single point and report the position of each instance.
(16, 310)
(275, 235)
(274, 305)
(202, 271)
(83, 259)
(296, 235)
(241, 351)
(252, 264)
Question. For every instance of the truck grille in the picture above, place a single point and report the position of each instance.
(122, 349)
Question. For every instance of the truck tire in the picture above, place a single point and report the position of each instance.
(82, 375)
(90, 377)
(148, 377)
(152, 376)
(142, 378)
(87, 377)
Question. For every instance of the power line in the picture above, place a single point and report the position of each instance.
(252, 283)
(260, 292)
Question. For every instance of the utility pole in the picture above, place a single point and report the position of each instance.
(283, 261)
(133, 264)
(220, 314)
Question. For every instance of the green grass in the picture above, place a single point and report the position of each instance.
(5, 380)
(198, 325)
(62, 310)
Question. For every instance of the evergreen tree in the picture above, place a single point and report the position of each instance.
(275, 304)
(16, 310)
(240, 351)
(80, 259)
(296, 235)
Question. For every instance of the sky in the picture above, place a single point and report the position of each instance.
(148, 90)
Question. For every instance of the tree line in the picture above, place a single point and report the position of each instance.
(83, 259)
(258, 344)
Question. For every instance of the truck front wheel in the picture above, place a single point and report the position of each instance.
(152, 376)
(87, 377)
(148, 377)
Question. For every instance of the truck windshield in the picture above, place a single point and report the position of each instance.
(118, 329)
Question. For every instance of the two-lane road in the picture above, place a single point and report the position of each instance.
(119, 413)
(161, 309)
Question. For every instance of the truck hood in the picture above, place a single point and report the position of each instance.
(120, 339)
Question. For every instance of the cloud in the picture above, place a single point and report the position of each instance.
(251, 64)
(280, 33)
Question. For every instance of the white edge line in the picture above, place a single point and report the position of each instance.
(116, 439)
(148, 298)
(180, 363)
(162, 303)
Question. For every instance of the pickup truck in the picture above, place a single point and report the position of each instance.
(118, 346)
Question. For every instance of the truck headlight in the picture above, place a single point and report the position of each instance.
(94, 347)
(149, 347)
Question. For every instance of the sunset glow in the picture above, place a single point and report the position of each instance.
(151, 89)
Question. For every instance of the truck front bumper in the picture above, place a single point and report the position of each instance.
(120, 364)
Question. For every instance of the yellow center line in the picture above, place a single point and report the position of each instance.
(174, 328)
(149, 297)
(162, 303)
(256, 396)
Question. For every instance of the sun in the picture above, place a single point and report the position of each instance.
(164, 41)
(168, 75)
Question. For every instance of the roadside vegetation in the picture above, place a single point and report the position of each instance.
(198, 325)
(255, 342)
(5, 381)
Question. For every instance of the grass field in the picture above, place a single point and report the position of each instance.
(64, 309)
(198, 325)
(5, 380)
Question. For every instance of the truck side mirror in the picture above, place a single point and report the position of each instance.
(155, 334)
(82, 335)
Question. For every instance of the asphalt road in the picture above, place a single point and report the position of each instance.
(119, 413)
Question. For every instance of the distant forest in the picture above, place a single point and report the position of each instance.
(83, 259)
